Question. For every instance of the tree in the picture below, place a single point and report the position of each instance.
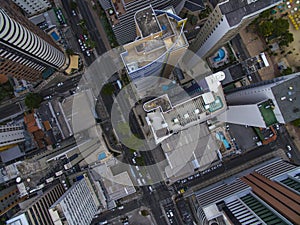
(73, 5)
(70, 51)
(286, 38)
(108, 89)
(33, 100)
(296, 122)
(287, 71)
(266, 28)
(280, 26)
(90, 43)
(144, 212)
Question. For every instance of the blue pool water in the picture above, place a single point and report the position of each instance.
(101, 156)
(55, 36)
(220, 56)
(221, 137)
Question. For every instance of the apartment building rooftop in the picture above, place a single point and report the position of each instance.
(166, 118)
(287, 95)
(160, 32)
(236, 10)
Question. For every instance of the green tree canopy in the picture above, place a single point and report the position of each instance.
(144, 212)
(286, 38)
(266, 28)
(108, 89)
(70, 51)
(280, 26)
(33, 100)
(287, 71)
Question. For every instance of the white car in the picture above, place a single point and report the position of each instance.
(85, 37)
(289, 155)
(88, 53)
(60, 84)
(73, 13)
(80, 42)
(133, 160)
(289, 147)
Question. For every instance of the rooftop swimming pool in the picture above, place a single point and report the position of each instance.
(220, 56)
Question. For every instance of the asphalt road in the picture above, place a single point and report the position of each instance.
(91, 26)
(69, 84)
(74, 21)
(10, 110)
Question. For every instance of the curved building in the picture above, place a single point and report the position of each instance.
(159, 44)
(25, 54)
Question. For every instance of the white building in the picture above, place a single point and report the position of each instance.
(265, 103)
(224, 22)
(11, 134)
(77, 206)
(32, 7)
(181, 128)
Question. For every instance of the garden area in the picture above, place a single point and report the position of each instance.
(279, 27)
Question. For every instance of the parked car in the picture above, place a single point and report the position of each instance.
(289, 147)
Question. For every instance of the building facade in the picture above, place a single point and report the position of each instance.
(33, 7)
(266, 195)
(26, 52)
(121, 13)
(77, 206)
(34, 211)
(11, 135)
(224, 22)
(264, 103)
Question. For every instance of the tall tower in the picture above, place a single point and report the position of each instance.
(224, 22)
(25, 53)
(161, 44)
(121, 14)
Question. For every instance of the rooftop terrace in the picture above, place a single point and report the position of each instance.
(159, 34)
(162, 114)
(147, 22)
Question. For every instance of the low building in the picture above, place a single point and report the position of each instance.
(76, 206)
(111, 185)
(264, 103)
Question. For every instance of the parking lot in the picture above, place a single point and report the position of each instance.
(245, 136)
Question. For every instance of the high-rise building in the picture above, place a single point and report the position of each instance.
(265, 103)
(34, 211)
(33, 6)
(224, 22)
(268, 194)
(26, 51)
(121, 13)
(162, 42)
(77, 206)
(11, 135)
